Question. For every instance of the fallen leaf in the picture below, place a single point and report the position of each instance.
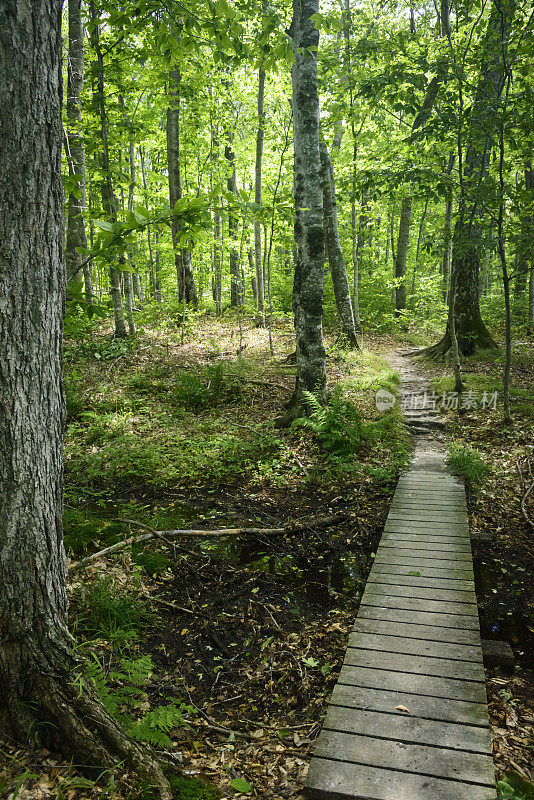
(403, 708)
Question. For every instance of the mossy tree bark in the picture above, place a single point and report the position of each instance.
(333, 249)
(41, 694)
(471, 331)
(309, 233)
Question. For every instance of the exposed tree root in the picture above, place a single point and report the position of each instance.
(64, 713)
(469, 341)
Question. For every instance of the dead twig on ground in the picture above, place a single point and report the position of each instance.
(166, 535)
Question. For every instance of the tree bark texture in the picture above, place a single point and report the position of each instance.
(235, 283)
(75, 147)
(471, 331)
(182, 256)
(109, 201)
(402, 253)
(333, 249)
(39, 693)
(309, 234)
(260, 290)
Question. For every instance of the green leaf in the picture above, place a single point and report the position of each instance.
(241, 785)
(310, 662)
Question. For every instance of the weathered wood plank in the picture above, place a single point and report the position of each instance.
(460, 621)
(413, 684)
(422, 665)
(416, 647)
(406, 549)
(418, 604)
(419, 706)
(429, 633)
(426, 540)
(396, 755)
(334, 780)
(404, 727)
(406, 527)
(451, 595)
(437, 517)
(423, 571)
(416, 562)
(398, 579)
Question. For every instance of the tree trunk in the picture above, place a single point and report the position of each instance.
(309, 234)
(420, 236)
(42, 693)
(260, 291)
(182, 257)
(109, 202)
(217, 266)
(402, 252)
(471, 331)
(75, 147)
(333, 249)
(235, 292)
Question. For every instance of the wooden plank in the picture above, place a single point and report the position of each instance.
(414, 758)
(441, 709)
(417, 647)
(334, 780)
(395, 578)
(425, 539)
(452, 595)
(423, 545)
(422, 665)
(406, 527)
(410, 683)
(412, 500)
(414, 552)
(437, 516)
(404, 727)
(419, 604)
(424, 571)
(420, 521)
(429, 633)
(460, 621)
(418, 563)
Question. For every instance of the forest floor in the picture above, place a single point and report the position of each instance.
(224, 649)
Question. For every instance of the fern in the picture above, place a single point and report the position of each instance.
(121, 693)
(337, 425)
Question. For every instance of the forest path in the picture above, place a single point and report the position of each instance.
(408, 718)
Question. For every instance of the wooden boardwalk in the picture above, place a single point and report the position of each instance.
(408, 717)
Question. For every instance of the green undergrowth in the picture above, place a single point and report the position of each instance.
(103, 610)
(465, 460)
(515, 787)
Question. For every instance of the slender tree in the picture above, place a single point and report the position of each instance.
(109, 201)
(75, 150)
(260, 291)
(182, 255)
(333, 249)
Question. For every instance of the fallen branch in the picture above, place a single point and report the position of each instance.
(324, 522)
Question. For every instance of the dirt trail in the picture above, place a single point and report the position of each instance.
(425, 424)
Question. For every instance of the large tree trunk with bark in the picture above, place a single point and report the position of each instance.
(309, 233)
(75, 150)
(41, 693)
(182, 256)
(109, 201)
(333, 249)
(471, 332)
